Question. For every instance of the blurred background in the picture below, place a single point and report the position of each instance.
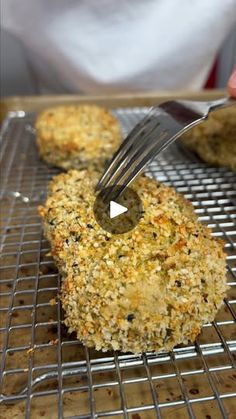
(19, 78)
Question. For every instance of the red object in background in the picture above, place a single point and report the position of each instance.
(211, 81)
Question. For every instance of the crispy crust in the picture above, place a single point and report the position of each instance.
(77, 136)
(149, 289)
(215, 139)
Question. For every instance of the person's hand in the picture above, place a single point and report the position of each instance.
(231, 85)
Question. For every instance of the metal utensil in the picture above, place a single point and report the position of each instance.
(26, 313)
(160, 127)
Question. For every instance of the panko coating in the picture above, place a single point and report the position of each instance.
(77, 136)
(214, 140)
(145, 290)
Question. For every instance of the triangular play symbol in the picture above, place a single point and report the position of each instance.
(116, 209)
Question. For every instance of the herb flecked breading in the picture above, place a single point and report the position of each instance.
(76, 136)
(215, 139)
(149, 289)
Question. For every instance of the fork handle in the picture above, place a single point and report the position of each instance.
(220, 103)
(204, 107)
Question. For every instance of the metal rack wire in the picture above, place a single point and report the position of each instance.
(46, 371)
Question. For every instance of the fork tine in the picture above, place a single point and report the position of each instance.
(126, 144)
(132, 157)
(166, 129)
(147, 158)
(136, 165)
(142, 140)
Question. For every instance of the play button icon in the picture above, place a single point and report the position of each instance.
(118, 215)
(116, 209)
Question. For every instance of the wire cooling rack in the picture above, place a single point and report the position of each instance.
(47, 372)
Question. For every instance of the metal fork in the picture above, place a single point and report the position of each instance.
(157, 130)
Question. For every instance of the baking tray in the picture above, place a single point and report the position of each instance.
(47, 372)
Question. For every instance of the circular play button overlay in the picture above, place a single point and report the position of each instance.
(118, 215)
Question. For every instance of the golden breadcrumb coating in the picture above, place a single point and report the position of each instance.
(146, 290)
(215, 139)
(75, 136)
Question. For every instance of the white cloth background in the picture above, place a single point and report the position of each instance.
(97, 46)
